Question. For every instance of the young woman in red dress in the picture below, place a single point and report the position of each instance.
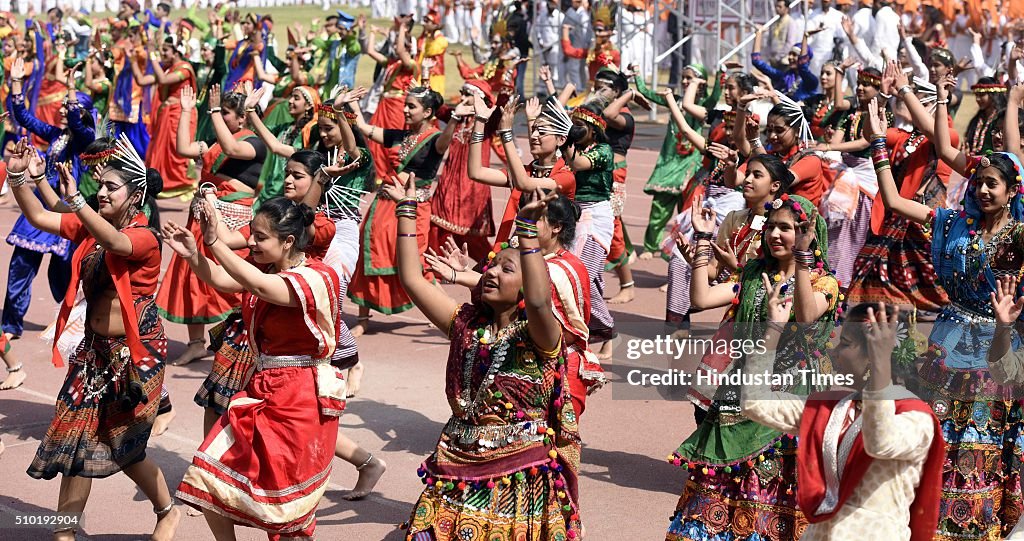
(252, 469)
(400, 74)
(232, 166)
(421, 147)
(172, 73)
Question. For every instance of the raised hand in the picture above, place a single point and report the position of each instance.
(777, 307)
(877, 123)
(214, 101)
(36, 164)
(544, 72)
(254, 98)
(880, 332)
(187, 98)
(457, 258)
(1006, 305)
(178, 239)
(533, 107)
(18, 69)
(439, 265)
(68, 184)
(726, 256)
(724, 154)
(396, 190)
(538, 203)
(209, 218)
(18, 161)
(508, 113)
(804, 230)
(480, 107)
(703, 219)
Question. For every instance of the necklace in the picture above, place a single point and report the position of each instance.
(408, 143)
(979, 254)
(488, 347)
(541, 171)
(978, 137)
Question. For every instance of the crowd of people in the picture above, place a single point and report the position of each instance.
(821, 199)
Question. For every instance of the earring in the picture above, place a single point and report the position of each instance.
(867, 374)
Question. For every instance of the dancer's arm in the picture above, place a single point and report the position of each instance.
(268, 287)
(702, 294)
(184, 244)
(545, 330)
(1011, 129)
(1006, 365)
(696, 139)
(372, 133)
(779, 410)
(40, 218)
(476, 169)
(949, 154)
(431, 300)
(106, 235)
(185, 145)
(690, 101)
(808, 305)
(908, 208)
(521, 180)
(264, 133)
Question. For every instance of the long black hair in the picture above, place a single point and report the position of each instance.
(777, 169)
(286, 218)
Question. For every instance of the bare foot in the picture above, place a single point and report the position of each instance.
(196, 350)
(624, 295)
(368, 477)
(604, 353)
(193, 512)
(663, 288)
(162, 422)
(166, 525)
(360, 328)
(65, 535)
(14, 380)
(646, 256)
(354, 379)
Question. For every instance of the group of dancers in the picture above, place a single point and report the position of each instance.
(866, 210)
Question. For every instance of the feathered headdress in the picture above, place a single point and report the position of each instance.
(795, 118)
(559, 122)
(602, 14)
(926, 92)
(133, 163)
(500, 25)
(341, 200)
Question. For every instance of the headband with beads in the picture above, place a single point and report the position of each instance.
(989, 88)
(99, 158)
(869, 79)
(590, 117)
(327, 111)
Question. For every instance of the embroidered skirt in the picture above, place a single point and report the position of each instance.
(233, 364)
(94, 433)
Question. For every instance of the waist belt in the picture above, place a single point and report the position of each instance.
(494, 436)
(264, 362)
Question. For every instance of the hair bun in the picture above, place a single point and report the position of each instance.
(154, 182)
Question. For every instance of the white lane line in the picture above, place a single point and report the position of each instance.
(193, 443)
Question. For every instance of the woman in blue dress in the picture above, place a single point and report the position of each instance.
(67, 141)
(971, 249)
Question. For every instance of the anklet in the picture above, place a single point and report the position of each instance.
(16, 368)
(197, 341)
(627, 284)
(365, 464)
(165, 510)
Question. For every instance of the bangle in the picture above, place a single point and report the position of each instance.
(755, 142)
(218, 109)
(247, 109)
(701, 235)
(36, 179)
(905, 89)
(75, 202)
(776, 326)
(804, 257)
(208, 244)
(477, 137)
(506, 136)
(528, 252)
(884, 95)
(454, 274)
(942, 102)
(409, 235)
(16, 179)
(482, 118)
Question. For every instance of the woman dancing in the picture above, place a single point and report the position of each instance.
(232, 166)
(252, 469)
(109, 401)
(981, 423)
(742, 474)
(507, 460)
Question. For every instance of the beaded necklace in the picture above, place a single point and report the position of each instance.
(408, 143)
(541, 171)
(978, 137)
(916, 140)
(488, 348)
(980, 254)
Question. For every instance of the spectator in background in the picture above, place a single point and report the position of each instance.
(824, 25)
(636, 31)
(782, 35)
(519, 33)
(545, 35)
(580, 36)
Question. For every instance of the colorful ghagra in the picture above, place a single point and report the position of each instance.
(251, 468)
(501, 477)
(100, 427)
(981, 421)
(163, 155)
(895, 264)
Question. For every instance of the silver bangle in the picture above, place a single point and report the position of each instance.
(905, 89)
(942, 102)
(75, 202)
(16, 179)
(477, 137)
(36, 179)
(506, 136)
(756, 142)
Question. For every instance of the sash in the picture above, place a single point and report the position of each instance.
(831, 465)
(122, 284)
(215, 156)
